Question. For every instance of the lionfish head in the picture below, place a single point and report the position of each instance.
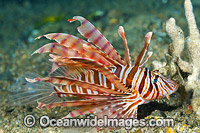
(165, 86)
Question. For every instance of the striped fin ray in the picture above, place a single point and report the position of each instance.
(127, 53)
(76, 103)
(67, 60)
(94, 35)
(149, 54)
(130, 109)
(82, 111)
(114, 62)
(63, 66)
(99, 96)
(94, 109)
(126, 108)
(112, 108)
(58, 49)
(70, 69)
(60, 59)
(76, 43)
(69, 81)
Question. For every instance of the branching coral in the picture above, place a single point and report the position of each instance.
(192, 82)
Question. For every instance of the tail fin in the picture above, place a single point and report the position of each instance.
(24, 92)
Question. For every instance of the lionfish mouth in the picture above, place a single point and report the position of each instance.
(171, 84)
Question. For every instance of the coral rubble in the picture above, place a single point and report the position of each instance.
(192, 82)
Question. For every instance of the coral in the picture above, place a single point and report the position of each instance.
(191, 82)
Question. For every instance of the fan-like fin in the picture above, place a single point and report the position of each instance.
(30, 93)
(76, 43)
(113, 113)
(94, 109)
(130, 105)
(54, 67)
(94, 35)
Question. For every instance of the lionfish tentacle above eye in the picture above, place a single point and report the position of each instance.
(96, 74)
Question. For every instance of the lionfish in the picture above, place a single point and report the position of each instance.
(96, 74)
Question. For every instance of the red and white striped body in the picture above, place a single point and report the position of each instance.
(143, 82)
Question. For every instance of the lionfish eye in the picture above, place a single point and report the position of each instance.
(155, 80)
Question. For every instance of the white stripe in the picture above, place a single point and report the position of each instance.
(77, 89)
(136, 76)
(146, 84)
(155, 91)
(61, 87)
(95, 92)
(86, 76)
(164, 85)
(113, 87)
(121, 73)
(59, 90)
(140, 79)
(70, 87)
(161, 91)
(151, 94)
(89, 91)
(79, 76)
(126, 74)
(114, 69)
(164, 91)
(92, 77)
(67, 88)
(100, 81)
(104, 79)
(81, 89)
